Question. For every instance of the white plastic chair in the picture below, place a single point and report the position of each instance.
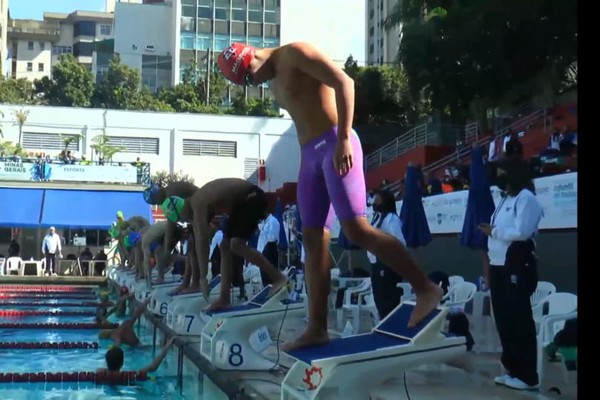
(2, 261)
(408, 294)
(460, 294)
(455, 280)
(554, 304)
(366, 302)
(543, 290)
(14, 264)
(350, 307)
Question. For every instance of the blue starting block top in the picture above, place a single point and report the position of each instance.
(396, 323)
(393, 331)
(214, 282)
(256, 302)
(347, 346)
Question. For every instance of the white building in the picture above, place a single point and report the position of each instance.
(202, 145)
(381, 44)
(4, 64)
(37, 45)
(175, 33)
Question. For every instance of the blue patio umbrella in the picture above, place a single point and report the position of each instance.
(480, 204)
(278, 214)
(412, 214)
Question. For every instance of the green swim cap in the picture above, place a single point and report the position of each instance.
(113, 232)
(172, 207)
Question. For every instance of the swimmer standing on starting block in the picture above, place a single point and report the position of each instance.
(247, 206)
(320, 99)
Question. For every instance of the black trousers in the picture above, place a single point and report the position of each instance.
(385, 292)
(511, 304)
(50, 263)
(271, 253)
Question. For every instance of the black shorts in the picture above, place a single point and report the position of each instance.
(245, 214)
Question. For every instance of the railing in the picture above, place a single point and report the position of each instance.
(465, 151)
(40, 170)
(415, 137)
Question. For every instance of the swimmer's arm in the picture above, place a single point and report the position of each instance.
(315, 63)
(159, 358)
(140, 310)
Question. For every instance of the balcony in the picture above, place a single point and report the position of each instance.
(30, 170)
(34, 30)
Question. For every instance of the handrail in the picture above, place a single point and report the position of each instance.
(413, 138)
(466, 151)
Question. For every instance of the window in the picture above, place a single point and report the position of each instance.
(29, 45)
(371, 31)
(238, 15)
(271, 30)
(42, 46)
(204, 2)
(83, 49)
(238, 28)
(271, 4)
(238, 3)
(58, 50)
(187, 11)
(222, 27)
(187, 41)
(187, 24)
(48, 141)
(135, 145)
(84, 28)
(271, 17)
(209, 148)
(222, 3)
(255, 4)
(204, 26)
(105, 30)
(221, 13)
(205, 12)
(29, 67)
(254, 29)
(40, 67)
(371, 14)
(251, 170)
(371, 49)
(255, 16)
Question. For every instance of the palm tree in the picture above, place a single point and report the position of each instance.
(21, 117)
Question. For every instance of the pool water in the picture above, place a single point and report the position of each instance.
(162, 384)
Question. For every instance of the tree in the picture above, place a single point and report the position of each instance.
(252, 107)
(104, 150)
(164, 178)
(20, 118)
(121, 89)
(67, 140)
(484, 53)
(71, 85)
(16, 91)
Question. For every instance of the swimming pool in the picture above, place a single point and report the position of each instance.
(162, 384)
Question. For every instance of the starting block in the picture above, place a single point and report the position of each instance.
(142, 291)
(122, 275)
(354, 366)
(184, 310)
(235, 338)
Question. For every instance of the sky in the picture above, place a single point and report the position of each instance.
(35, 9)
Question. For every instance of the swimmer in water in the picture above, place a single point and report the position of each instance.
(246, 205)
(115, 358)
(125, 333)
(103, 312)
(319, 97)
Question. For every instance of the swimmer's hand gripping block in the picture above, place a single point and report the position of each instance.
(352, 367)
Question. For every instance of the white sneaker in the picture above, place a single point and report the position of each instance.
(517, 384)
(46, 274)
(54, 274)
(501, 379)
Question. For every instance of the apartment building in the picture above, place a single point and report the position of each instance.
(4, 65)
(382, 45)
(37, 45)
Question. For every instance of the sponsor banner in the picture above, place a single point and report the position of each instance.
(91, 173)
(19, 171)
(446, 212)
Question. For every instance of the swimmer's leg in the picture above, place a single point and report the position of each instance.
(198, 248)
(348, 194)
(224, 299)
(317, 214)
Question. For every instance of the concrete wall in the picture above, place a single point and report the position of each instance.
(270, 139)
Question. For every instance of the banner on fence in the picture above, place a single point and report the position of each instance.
(91, 173)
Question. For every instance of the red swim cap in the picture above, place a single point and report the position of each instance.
(234, 62)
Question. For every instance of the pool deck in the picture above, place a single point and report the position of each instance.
(53, 280)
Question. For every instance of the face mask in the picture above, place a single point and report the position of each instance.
(502, 182)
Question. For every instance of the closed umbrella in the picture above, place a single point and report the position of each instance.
(412, 214)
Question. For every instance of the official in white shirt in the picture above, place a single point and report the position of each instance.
(383, 280)
(268, 240)
(513, 273)
(51, 248)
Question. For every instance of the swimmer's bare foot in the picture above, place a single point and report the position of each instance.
(427, 301)
(278, 285)
(204, 288)
(190, 289)
(219, 304)
(159, 280)
(177, 290)
(308, 338)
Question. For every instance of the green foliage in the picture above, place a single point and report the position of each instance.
(20, 118)
(100, 145)
(71, 85)
(164, 178)
(16, 91)
(471, 54)
(67, 140)
(382, 95)
(252, 107)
